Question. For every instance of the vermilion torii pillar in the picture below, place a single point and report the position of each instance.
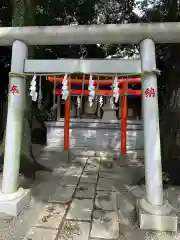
(154, 212)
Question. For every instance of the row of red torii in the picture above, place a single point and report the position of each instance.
(154, 211)
(122, 92)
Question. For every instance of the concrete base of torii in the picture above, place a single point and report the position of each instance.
(159, 218)
(12, 204)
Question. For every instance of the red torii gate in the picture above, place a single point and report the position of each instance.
(124, 91)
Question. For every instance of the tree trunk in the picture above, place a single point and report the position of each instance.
(170, 123)
(170, 114)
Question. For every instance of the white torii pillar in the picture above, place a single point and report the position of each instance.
(12, 199)
(154, 211)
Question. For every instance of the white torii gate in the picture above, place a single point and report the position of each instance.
(153, 210)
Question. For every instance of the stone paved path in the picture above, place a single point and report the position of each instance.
(94, 200)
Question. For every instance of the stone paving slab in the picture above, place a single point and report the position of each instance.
(41, 234)
(115, 170)
(155, 235)
(75, 230)
(91, 167)
(133, 233)
(74, 171)
(107, 159)
(80, 209)
(126, 205)
(60, 171)
(105, 154)
(89, 177)
(80, 159)
(85, 190)
(128, 175)
(121, 237)
(62, 195)
(106, 185)
(135, 162)
(89, 153)
(105, 225)
(138, 191)
(106, 201)
(69, 181)
(52, 216)
(109, 175)
(107, 165)
(94, 160)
